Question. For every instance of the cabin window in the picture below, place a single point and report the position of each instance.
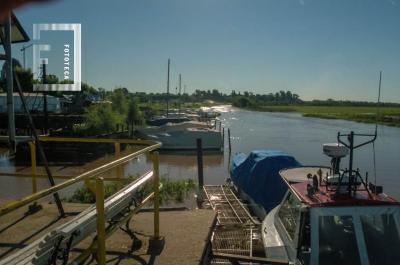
(337, 241)
(381, 239)
(289, 214)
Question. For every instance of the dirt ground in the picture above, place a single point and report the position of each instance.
(184, 235)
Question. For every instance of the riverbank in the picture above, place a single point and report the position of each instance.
(389, 116)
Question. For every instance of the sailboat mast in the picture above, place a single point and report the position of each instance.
(180, 89)
(169, 62)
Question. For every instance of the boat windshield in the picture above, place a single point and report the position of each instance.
(355, 235)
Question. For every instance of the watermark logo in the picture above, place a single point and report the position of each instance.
(68, 62)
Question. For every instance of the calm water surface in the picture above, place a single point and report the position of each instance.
(299, 136)
(290, 132)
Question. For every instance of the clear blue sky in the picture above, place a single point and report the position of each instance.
(316, 48)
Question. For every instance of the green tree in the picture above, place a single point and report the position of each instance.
(51, 79)
(100, 118)
(242, 102)
(25, 77)
(119, 100)
(134, 115)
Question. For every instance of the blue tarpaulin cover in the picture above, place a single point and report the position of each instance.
(258, 175)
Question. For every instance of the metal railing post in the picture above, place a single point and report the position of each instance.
(156, 188)
(32, 148)
(101, 231)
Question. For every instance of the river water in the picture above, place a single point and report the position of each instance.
(290, 132)
(299, 136)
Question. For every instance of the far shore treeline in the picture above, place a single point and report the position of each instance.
(105, 109)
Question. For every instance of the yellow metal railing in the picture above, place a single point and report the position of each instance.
(149, 147)
(87, 175)
(95, 174)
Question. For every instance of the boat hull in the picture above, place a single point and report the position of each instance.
(187, 139)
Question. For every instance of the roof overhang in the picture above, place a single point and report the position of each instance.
(18, 34)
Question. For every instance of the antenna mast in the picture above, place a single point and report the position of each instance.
(378, 103)
(350, 145)
(376, 123)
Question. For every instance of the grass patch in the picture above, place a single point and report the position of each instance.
(274, 108)
(387, 115)
(172, 191)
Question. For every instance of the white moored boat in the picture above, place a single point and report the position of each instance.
(183, 136)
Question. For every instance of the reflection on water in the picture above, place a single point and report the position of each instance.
(289, 132)
(179, 166)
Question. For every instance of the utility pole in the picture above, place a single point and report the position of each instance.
(23, 52)
(10, 84)
(169, 62)
(45, 114)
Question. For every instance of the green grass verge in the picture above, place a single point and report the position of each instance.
(387, 115)
(172, 191)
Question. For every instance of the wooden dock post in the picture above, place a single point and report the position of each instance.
(229, 140)
(200, 176)
(223, 137)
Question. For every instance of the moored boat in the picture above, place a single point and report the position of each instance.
(327, 215)
(183, 136)
(257, 178)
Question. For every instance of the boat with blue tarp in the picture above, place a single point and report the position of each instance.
(318, 215)
(257, 177)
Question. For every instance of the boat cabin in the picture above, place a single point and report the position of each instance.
(330, 216)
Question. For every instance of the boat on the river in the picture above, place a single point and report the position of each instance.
(163, 120)
(183, 136)
(317, 214)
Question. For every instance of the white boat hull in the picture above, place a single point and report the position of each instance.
(186, 139)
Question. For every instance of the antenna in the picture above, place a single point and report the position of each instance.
(351, 146)
(376, 124)
(378, 103)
